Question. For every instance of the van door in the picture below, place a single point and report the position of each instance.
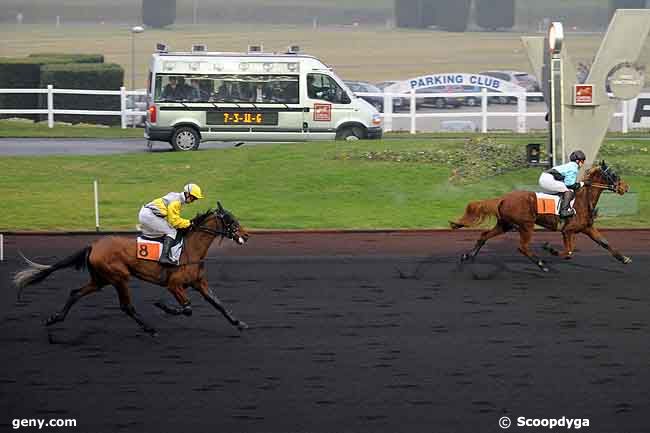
(329, 105)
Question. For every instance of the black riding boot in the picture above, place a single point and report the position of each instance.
(566, 210)
(164, 256)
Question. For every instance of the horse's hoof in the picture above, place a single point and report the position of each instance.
(241, 325)
(151, 331)
(465, 257)
(626, 260)
(545, 269)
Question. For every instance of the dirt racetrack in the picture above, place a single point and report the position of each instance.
(350, 332)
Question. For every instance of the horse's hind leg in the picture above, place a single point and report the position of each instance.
(497, 230)
(204, 289)
(75, 295)
(569, 245)
(126, 306)
(525, 235)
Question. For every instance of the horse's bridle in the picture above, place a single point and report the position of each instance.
(612, 182)
(228, 228)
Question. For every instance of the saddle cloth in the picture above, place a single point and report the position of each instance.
(151, 249)
(549, 204)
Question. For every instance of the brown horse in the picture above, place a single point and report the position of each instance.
(518, 211)
(112, 260)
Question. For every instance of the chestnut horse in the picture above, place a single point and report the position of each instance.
(518, 211)
(112, 260)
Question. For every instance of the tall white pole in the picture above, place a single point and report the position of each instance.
(96, 205)
(132, 60)
(2, 248)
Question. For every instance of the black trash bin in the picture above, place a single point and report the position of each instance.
(533, 153)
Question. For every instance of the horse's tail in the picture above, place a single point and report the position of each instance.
(35, 272)
(476, 212)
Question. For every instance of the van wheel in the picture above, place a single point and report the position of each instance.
(350, 134)
(185, 138)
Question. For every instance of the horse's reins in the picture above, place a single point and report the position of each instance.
(601, 186)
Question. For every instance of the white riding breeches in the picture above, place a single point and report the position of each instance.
(549, 184)
(154, 226)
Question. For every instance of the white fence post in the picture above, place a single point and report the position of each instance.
(96, 205)
(123, 106)
(521, 113)
(484, 110)
(388, 113)
(626, 117)
(2, 248)
(50, 106)
(413, 110)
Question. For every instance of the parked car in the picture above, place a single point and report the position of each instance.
(136, 103)
(475, 101)
(399, 103)
(440, 101)
(523, 79)
(363, 87)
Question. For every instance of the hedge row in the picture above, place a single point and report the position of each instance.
(71, 71)
(98, 76)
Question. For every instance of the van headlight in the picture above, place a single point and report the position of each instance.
(376, 119)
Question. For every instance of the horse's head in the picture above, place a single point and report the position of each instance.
(604, 175)
(220, 222)
(230, 226)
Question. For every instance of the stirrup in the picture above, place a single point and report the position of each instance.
(568, 213)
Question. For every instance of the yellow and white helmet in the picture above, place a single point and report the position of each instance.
(194, 190)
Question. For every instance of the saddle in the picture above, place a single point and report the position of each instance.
(549, 204)
(151, 248)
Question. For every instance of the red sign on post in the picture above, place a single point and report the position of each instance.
(584, 94)
(323, 112)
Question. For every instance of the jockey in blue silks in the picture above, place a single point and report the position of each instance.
(563, 179)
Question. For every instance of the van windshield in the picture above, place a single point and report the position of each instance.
(268, 89)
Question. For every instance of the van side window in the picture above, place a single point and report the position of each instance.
(323, 87)
(267, 89)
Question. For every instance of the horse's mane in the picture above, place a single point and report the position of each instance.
(201, 217)
(593, 171)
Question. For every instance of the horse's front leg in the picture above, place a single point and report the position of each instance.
(595, 235)
(184, 305)
(212, 299)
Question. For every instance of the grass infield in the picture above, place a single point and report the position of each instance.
(284, 186)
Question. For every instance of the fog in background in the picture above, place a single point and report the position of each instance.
(587, 15)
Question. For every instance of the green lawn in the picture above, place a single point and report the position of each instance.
(292, 186)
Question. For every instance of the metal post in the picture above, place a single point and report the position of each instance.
(195, 10)
(521, 110)
(132, 60)
(96, 205)
(555, 116)
(50, 106)
(626, 117)
(2, 248)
